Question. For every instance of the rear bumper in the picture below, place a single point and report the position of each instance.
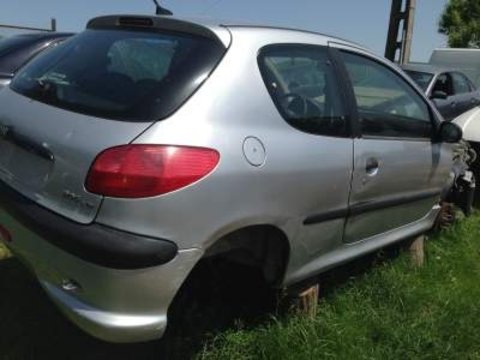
(94, 243)
(116, 304)
(121, 307)
(105, 325)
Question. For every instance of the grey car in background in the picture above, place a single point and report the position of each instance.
(16, 51)
(145, 145)
(452, 91)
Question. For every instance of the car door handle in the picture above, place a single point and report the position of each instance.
(453, 104)
(371, 166)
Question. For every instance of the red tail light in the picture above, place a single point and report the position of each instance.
(135, 171)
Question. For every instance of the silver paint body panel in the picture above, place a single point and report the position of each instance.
(301, 175)
(406, 168)
(74, 139)
(114, 305)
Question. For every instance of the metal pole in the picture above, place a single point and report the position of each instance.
(404, 32)
(394, 25)
(53, 24)
(409, 21)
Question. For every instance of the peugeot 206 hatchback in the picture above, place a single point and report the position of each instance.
(146, 144)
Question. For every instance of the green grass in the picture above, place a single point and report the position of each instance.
(392, 311)
(3, 253)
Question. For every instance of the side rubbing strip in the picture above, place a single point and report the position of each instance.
(336, 214)
(364, 207)
(367, 206)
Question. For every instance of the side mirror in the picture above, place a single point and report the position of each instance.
(441, 95)
(449, 132)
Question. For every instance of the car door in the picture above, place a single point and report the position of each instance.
(316, 146)
(399, 172)
(466, 97)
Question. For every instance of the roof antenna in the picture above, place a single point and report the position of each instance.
(161, 10)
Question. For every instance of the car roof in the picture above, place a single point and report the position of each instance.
(331, 38)
(428, 68)
(215, 25)
(252, 25)
(237, 24)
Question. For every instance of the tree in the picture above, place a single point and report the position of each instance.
(460, 21)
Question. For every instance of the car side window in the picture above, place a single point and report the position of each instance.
(460, 84)
(387, 105)
(302, 83)
(444, 84)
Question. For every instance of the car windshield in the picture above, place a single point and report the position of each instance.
(421, 78)
(121, 75)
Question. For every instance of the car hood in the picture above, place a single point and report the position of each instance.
(470, 124)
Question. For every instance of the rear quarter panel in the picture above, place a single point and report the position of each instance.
(300, 176)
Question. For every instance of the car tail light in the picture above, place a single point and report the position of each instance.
(136, 171)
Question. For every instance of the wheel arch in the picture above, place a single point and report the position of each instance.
(263, 245)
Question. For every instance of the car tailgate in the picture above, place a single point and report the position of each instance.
(46, 152)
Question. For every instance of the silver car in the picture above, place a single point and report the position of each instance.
(146, 144)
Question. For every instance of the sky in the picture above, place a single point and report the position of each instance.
(361, 21)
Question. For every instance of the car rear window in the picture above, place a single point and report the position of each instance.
(121, 75)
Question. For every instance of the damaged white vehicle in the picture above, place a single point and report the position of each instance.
(466, 155)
